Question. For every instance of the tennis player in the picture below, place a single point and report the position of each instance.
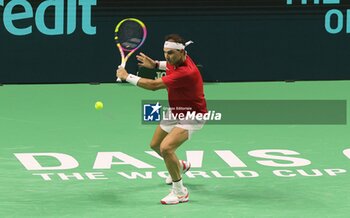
(184, 84)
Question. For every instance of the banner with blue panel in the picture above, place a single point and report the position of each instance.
(72, 41)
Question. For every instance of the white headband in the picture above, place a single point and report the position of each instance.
(176, 45)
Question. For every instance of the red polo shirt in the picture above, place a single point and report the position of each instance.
(185, 87)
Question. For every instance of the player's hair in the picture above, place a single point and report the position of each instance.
(175, 38)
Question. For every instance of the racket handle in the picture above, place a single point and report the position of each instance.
(123, 66)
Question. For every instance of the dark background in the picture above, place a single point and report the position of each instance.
(234, 41)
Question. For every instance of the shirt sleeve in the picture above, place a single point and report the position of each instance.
(180, 78)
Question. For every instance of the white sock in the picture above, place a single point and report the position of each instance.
(178, 186)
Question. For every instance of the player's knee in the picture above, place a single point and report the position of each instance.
(166, 150)
(154, 146)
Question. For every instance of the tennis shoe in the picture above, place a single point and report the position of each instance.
(176, 197)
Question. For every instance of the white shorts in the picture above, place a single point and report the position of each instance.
(190, 125)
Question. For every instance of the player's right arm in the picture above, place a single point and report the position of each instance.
(145, 61)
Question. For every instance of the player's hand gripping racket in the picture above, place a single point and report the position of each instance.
(130, 34)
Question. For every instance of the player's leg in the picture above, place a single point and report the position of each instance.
(184, 167)
(158, 136)
(170, 143)
(161, 131)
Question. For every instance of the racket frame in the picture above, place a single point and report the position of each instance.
(124, 58)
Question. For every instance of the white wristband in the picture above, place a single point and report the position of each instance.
(133, 79)
(162, 65)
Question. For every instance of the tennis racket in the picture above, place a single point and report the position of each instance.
(130, 34)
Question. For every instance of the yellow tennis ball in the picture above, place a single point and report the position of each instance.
(98, 105)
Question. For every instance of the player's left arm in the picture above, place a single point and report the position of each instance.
(148, 84)
(151, 84)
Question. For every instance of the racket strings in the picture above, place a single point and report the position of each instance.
(130, 35)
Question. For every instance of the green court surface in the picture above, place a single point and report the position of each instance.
(61, 119)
